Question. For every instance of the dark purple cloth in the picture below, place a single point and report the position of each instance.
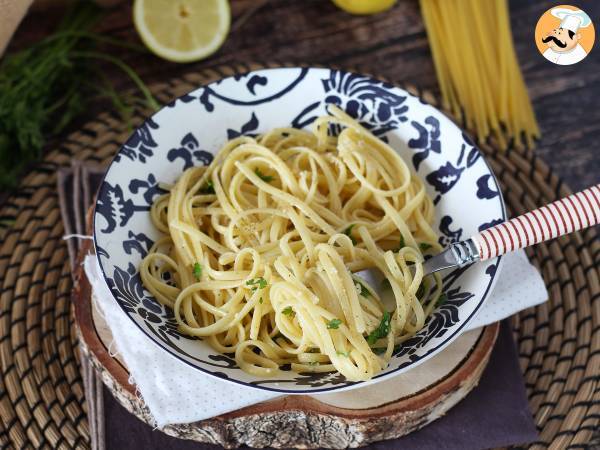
(494, 414)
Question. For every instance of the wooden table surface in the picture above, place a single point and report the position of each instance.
(393, 44)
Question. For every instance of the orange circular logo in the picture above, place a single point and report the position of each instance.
(565, 35)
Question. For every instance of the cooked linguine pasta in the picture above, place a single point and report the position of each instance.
(261, 250)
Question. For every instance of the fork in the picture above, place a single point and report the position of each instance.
(569, 214)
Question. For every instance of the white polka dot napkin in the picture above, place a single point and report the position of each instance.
(176, 393)
(519, 287)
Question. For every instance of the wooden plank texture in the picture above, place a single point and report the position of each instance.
(393, 44)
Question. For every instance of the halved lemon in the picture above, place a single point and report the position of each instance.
(182, 30)
(364, 6)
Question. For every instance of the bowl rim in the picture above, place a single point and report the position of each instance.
(348, 385)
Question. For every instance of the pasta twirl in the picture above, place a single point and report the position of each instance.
(261, 250)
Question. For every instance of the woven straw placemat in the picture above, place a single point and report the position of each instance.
(41, 390)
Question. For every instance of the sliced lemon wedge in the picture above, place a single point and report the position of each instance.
(364, 6)
(182, 30)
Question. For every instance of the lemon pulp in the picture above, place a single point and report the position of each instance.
(182, 30)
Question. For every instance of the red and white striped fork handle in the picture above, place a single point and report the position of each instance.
(572, 213)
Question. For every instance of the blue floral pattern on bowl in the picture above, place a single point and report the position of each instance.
(189, 130)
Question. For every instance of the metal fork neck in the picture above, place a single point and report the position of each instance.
(465, 252)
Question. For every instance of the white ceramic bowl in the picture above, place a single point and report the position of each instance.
(192, 128)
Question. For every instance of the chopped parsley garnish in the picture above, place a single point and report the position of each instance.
(257, 283)
(382, 350)
(346, 354)
(334, 324)
(361, 288)
(208, 188)
(197, 271)
(348, 232)
(382, 330)
(262, 176)
(441, 300)
(288, 311)
(424, 246)
(402, 244)
(260, 300)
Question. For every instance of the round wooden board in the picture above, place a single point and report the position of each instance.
(386, 410)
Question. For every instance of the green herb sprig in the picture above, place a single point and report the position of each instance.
(361, 288)
(334, 324)
(401, 244)
(441, 300)
(382, 350)
(262, 176)
(257, 283)
(44, 87)
(348, 232)
(208, 188)
(197, 271)
(288, 311)
(382, 330)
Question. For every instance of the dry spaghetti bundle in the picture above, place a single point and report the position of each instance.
(477, 69)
